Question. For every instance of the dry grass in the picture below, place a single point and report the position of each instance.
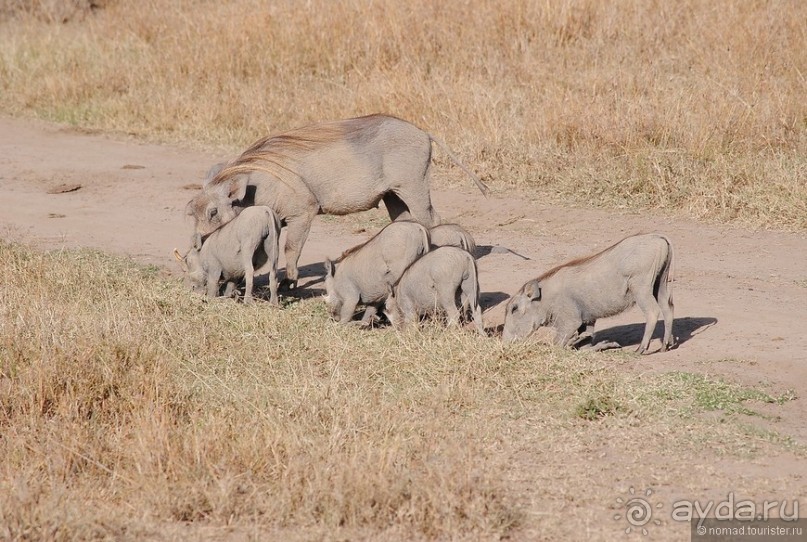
(50, 11)
(696, 106)
(129, 408)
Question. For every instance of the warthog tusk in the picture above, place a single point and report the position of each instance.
(178, 256)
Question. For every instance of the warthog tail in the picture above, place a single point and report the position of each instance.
(470, 289)
(479, 184)
(477, 312)
(662, 290)
(427, 242)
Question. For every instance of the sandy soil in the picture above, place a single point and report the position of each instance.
(740, 295)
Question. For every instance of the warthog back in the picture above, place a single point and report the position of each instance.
(452, 235)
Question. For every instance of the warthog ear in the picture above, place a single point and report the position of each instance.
(231, 189)
(533, 290)
(213, 171)
(237, 188)
(329, 268)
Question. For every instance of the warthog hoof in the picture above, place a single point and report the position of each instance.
(287, 285)
(671, 346)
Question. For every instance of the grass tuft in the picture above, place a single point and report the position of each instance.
(597, 407)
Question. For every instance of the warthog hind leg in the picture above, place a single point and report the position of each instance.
(447, 300)
(369, 315)
(651, 311)
(229, 289)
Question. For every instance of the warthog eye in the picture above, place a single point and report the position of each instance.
(513, 308)
(212, 213)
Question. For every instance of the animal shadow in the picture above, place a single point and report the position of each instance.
(484, 250)
(310, 275)
(631, 334)
(488, 300)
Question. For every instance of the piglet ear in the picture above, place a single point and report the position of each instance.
(533, 290)
(329, 267)
(196, 241)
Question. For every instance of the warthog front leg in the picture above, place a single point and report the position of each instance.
(297, 229)
(566, 333)
(585, 332)
(213, 275)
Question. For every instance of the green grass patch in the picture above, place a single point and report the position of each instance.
(694, 392)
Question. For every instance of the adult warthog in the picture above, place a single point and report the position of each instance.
(572, 296)
(334, 168)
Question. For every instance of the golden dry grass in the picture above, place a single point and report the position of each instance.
(695, 106)
(129, 409)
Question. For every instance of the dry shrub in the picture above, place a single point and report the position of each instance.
(696, 106)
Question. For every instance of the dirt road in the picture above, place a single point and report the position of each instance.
(740, 295)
